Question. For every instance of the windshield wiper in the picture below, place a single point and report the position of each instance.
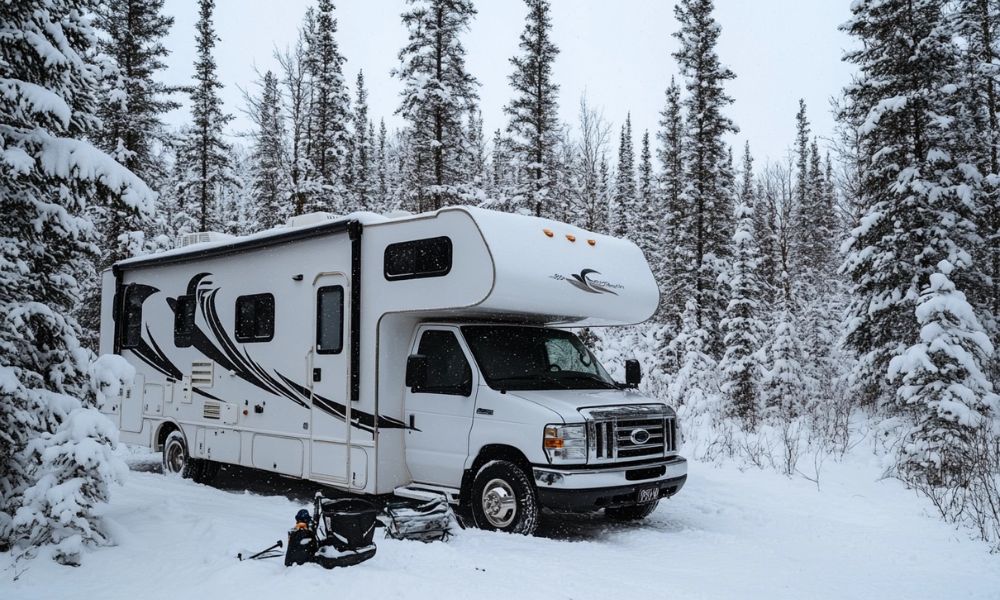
(589, 377)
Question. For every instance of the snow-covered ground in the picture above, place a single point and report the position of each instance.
(728, 534)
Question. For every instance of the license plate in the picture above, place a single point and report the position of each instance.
(648, 495)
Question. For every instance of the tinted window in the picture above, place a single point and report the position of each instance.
(330, 319)
(255, 318)
(132, 318)
(447, 370)
(534, 358)
(183, 321)
(419, 258)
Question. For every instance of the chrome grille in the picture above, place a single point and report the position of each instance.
(630, 433)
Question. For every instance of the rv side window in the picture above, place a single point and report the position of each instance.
(420, 258)
(183, 321)
(330, 319)
(132, 318)
(255, 318)
(447, 370)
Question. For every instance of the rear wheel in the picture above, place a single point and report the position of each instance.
(503, 499)
(635, 512)
(177, 461)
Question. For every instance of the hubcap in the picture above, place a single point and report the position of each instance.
(175, 458)
(499, 503)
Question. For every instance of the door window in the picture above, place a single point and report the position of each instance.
(330, 319)
(448, 371)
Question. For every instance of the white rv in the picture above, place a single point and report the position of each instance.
(416, 355)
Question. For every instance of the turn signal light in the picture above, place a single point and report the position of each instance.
(571, 237)
(548, 232)
(552, 443)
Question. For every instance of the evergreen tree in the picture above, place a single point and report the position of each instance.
(203, 158)
(782, 384)
(943, 386)
(268, 185)
(361, 160)
(644, 222)
(52, 175)
(132, 103)
(671, 270)
(705, 233)
(800, 209)
(625, 190)
(742, 326)
(437, 94)
(917, 193)
(384, 177)
(477, 168)
(329, 135)
(534, 123)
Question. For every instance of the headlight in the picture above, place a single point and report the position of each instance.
(565, 443)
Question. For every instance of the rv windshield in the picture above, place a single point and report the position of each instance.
(534, 358)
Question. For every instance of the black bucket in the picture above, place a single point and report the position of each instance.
(348, 523)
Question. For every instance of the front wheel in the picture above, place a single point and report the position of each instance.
(503, 499)
(177, 461)
(636, 512)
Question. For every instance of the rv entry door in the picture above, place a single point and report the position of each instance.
(441, 409)
(327, 366)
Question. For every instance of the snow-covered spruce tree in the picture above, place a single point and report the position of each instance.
(707, 224)
(918, 190)
(437, 94)
(672, 270)
(329, 136)
(384, 180)
(50, 176)
(625, 191)
(534, 128)
(477, 167)
(943, 386)
(361, 161)
(782, 384)
(742, 326)
(693, 388)
(203, 157)
(131, 106)
(268, 185)
(977, 22)
(644, 223)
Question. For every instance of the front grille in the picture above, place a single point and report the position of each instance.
(631, 433)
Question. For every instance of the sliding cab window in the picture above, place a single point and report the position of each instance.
(330, 319)
(429, 257)
(448, 371)
(132, 318)
(255, 318)
(183, 321)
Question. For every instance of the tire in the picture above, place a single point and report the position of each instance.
(176, 460)
(503, 499)
(636, 512)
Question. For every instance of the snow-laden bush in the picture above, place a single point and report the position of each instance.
(74, 469)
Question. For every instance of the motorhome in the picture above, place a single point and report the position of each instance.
(414, 355)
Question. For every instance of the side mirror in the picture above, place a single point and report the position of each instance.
(633, 373)
(416, 371)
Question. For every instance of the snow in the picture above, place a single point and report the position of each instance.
(728, 534)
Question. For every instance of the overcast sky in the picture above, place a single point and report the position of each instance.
(618, 52)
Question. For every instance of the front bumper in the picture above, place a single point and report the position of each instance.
(593, 489)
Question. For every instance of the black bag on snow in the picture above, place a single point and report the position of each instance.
(301, 547)
(345, 530)
(431, 521)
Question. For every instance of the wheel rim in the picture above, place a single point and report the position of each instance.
(499, 503)
(175, 458)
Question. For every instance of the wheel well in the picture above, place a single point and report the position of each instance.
(161, 434)
(488, 453)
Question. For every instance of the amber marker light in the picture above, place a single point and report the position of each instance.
(592, 242)
(571, 237)
(548, 232)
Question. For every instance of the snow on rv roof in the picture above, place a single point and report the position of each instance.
(363, 217)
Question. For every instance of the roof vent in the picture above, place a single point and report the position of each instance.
(202, 237)
(310, 219)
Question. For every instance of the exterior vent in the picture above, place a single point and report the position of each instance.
(202, 374)
(212, 410)
(202, 237)
(312, 218)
